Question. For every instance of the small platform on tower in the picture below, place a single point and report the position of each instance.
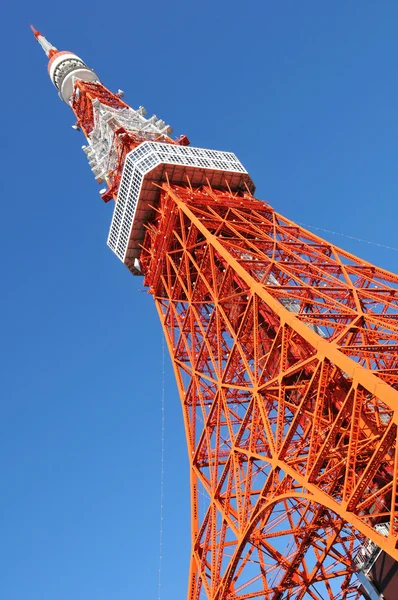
(155, 162)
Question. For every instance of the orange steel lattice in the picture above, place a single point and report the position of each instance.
(285, 352)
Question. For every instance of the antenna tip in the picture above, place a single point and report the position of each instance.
(35, 32)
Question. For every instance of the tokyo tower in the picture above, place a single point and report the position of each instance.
(285, 352)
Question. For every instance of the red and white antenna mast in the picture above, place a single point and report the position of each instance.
(64, 68)
(48, 48)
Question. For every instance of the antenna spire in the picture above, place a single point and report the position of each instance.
(48, 48)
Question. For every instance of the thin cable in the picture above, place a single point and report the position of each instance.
(161, 479)
(351, 237)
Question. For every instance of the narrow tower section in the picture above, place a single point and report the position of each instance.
(112, 128)
(285, 351)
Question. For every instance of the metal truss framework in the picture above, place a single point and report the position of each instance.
(88, 103)
(285, 352)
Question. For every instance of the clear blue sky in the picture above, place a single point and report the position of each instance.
(305, 93)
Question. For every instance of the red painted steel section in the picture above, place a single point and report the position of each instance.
(292, 457)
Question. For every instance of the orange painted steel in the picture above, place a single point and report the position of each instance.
(82, 102)
(82, 105)
(285, 351)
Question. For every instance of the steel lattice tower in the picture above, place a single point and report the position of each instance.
(285, 351)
